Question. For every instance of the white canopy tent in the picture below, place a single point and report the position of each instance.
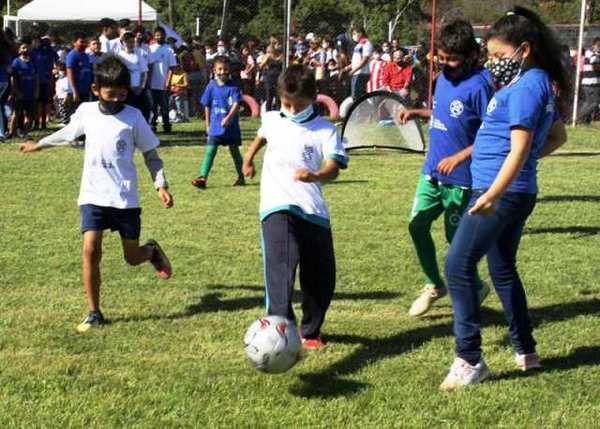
(85, 10)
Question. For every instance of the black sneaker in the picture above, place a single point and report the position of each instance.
(93, 320)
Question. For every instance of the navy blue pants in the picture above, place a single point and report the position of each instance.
(160, 99)
(498, 237)
(359, 85)
(289, 241)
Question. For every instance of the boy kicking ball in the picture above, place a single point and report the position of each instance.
(108, 197)
(303, 150)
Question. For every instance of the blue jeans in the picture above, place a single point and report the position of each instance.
(359, 85)
(498, 237)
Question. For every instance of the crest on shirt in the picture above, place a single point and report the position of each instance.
(121, 146)
(492, 106)
(456, 108)
(307, 153)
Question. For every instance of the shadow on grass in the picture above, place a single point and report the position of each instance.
(578, 231)
(569, 199)
(582, 356)
(576, 154)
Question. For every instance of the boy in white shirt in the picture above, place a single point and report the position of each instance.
(108, 197)
(163, 61)
(134, 59)
(303, 150)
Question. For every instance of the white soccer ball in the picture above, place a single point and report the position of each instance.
(272, 344)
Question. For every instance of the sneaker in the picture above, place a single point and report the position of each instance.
(160, 261)
(528, 361)
(93, 320)
(463, 374)
(199, 182)
(428, 296)
(483, 292)
(239, 182)
(313, 343)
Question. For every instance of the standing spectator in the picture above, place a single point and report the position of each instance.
(248, 72)
(222, 50)
(25, 88)
(590, 82)
(134, 59)
(63, 95)
(162, 59)
(178, 82)
(95, 51)
(386, 52)
(124, 26)
(5, 67)
(79, 70)
(197, 79)
(359, 67)
(376, 69)
(271, 67)
(44, 58)
(397, 75)
(109, 37)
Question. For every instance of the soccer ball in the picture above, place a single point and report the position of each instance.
(272, 344)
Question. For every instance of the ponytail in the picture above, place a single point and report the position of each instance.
(522, 25)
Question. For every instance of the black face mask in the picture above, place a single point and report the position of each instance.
(110, 107)
(455, 74)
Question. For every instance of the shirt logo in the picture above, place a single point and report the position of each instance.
(307, 153)
(492, 106)
(121, 146)
(456, 108)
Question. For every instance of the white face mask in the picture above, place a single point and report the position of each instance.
(325, 45)
(355, 37)
(221, 49)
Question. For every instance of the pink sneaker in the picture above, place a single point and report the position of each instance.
(313, 343)
(160, 261)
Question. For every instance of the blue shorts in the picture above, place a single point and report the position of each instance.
(97, 218)
(224, 141)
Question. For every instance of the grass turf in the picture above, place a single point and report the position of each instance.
(173, 354)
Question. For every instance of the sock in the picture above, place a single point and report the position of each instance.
(207, 162)
(237, 160)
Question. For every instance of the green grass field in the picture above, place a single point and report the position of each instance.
(173, 354)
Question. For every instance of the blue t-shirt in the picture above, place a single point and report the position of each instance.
(44, 59)
(528, 102)
(25, 74)
(79, 62)
(458, 110)
(220, 99)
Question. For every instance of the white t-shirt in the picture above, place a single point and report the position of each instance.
(62, 88)
(110, 46)
(136, 64)
(163, 58)
(364, 48)
(291, 146)
(109, 177)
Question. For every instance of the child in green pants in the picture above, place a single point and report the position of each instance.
(462, 93)
(221, 101)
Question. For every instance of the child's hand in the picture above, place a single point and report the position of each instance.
(28, 147)
(304, 175)
(404, 116)
(225, 123)
(248, 169)
(447, 165)
(165, 197)
(483, 206)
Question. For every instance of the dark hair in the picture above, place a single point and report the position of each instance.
(161, 30)
(457, 38)
(221, 59)
(128, 35)
(124, 23)
(522, 25)
(109, 70)
(596, 40)
(79, 35)
(297, 82)
(107, 22)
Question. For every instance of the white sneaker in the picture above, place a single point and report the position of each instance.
(528, 361)
(483, 292)
(423, 303)
(463, 374)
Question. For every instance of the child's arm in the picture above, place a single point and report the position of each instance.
(156, 168)
(327, 173)
(406, 115)
(447, 165)
(73, 84)
(248, 166)
(207, 117)
(235, 108)
(62, 137)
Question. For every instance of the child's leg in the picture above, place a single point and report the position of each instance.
(91, 256)
(209, 158)
(135, 254)
(234, 150)
(317, 276)
(427, 207)
(281, 257)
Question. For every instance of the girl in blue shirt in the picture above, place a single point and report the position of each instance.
(520, 126)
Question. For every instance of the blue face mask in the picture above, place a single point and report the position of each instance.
(299, 117)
